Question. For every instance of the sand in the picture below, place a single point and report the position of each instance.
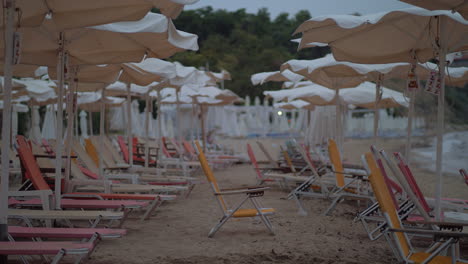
(178, 232)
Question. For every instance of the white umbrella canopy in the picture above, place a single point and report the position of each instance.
(89, 101)
(90, 75)
(314, 94)
(153, 36)
(363, 95)
(294, 104)
(148, 71)
(400, 36)
(388, 37)
(50, 123)
(275, 76)
(83, 124)
(460, 6)
(69, 14)
(296, 85)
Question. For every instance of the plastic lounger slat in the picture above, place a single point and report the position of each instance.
(41, 248)
(45, 232)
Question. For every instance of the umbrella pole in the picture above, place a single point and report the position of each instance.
(376, 108)
(59, 148)
(8, 9)
(129, 127)
(147, 115)
(202, 124)
(69, 135)
(159, 128)
(102, 116)
(179, 125)
(338, 119)
(440, 123)
(409, 128)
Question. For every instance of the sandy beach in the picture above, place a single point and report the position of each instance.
(178, 232)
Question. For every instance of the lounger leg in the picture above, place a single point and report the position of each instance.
(190, 189)
(301, 210)
(152, 207)
(125, 216)
(225, 218)
(58, 257)
(333, 205)
(218, 226)
(96, 222)
(264, 218)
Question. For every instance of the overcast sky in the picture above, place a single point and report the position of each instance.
(315, 7)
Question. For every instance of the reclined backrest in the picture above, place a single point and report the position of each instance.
(91, 150)
(336, 162)
(388, 182)
(123, 149)
(406, 171)
(388, 209)
(254, 161)
(29, 164)
(267, 154)
(210, 176)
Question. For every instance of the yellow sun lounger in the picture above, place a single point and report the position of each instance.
(396, 234)
(251, 194)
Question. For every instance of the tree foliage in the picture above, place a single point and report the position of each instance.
(243, 44)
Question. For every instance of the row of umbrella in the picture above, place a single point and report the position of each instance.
(66, 34)
(410, 35)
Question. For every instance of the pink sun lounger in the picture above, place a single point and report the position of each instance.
(83, 204)
(68, 233)
(58, 249)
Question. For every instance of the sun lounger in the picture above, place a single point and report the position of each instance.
(452, 203)
(33, 172)
(397, 235)
(250, 194)
(69, 215)
(64, 233)
(267, 175)
(56, 249)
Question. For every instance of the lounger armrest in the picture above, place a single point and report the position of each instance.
(429, 232)
(447, 224)
(244, 190)
(53, 156)
(352, 175)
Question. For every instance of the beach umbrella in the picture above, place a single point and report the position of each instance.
(66, 14)
(275, 76)
(408, 35)
(50, 123)
(341, 74)
(314, 94)
(83, 124)
(460, 6)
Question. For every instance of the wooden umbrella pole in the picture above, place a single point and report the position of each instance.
(129, 127)
(147, 117)
(59, 148)
(9, 9)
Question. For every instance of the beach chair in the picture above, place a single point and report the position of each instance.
(459, 205)
(351, 184)
(250, 194)
(159, 184)
(397, 235)
(272, 162)
(34, 174)
(272, 174)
